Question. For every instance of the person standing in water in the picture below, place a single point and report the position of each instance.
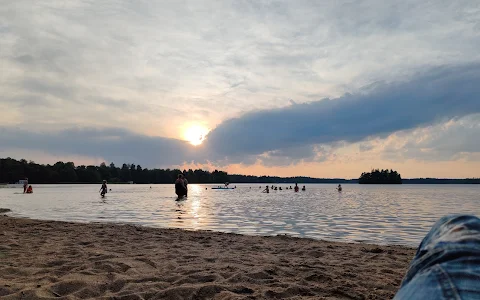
(266, 190)
(296, 187)
(25, 185)
(103, 189)
(339, 188)
(180, 188)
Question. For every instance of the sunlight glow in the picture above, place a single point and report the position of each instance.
(195, 134)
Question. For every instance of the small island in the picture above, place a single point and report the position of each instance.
(380, 177)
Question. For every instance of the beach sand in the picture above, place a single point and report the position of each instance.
(58, 260)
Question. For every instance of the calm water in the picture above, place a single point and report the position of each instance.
(374, 214)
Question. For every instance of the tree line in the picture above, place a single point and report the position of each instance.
(12, 170)
(441, 181)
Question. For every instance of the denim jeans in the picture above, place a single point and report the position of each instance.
(447, 262)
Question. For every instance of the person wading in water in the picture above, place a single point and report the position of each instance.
(103, 189)
(180, 188)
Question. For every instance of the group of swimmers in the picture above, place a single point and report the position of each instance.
(181, 187)
(274, 188)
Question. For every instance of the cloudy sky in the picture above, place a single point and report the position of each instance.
(316, 88)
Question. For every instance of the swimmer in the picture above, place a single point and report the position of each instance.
(266, 190)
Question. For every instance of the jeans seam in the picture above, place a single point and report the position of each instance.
(449, 290)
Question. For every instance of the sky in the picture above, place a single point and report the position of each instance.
(287, 88)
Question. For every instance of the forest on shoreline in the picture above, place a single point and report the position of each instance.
(12, 171)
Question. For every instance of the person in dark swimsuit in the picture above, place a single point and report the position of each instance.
(25, 185)
(103, 189)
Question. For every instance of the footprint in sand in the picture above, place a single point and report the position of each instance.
(65, 288)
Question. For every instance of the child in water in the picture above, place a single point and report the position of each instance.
(103, 189)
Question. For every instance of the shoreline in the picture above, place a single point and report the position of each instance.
(52, 259)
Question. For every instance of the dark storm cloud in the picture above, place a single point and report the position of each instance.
(283, 135)
(438, 94)
(111, 144)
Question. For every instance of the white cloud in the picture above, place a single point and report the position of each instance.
(150, 66)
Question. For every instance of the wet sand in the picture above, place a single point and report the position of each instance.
(59, 260)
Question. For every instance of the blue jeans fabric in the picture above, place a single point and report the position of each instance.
(447, 262)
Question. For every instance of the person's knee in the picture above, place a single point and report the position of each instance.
(450, 250)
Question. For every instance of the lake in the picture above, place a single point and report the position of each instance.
(378, 214)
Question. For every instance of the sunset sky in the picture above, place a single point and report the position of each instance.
(314, 88)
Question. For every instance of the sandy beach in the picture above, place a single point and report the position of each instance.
(59, 260)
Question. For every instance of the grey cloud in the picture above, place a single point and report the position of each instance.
(45, 87)
(441, 93)
(112, 144)
(24, 101)
(288, 156)
(106, 62)
(363, 147)
(295, 155)
(25, 59)
(107, 101)
(447, 141)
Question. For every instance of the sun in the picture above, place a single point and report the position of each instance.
(195, 134)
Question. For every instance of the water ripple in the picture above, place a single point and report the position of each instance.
(373, 214)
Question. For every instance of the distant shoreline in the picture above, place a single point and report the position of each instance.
(68, 173)
(327, 181)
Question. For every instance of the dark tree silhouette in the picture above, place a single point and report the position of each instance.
(380, 177)
(12, 170)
